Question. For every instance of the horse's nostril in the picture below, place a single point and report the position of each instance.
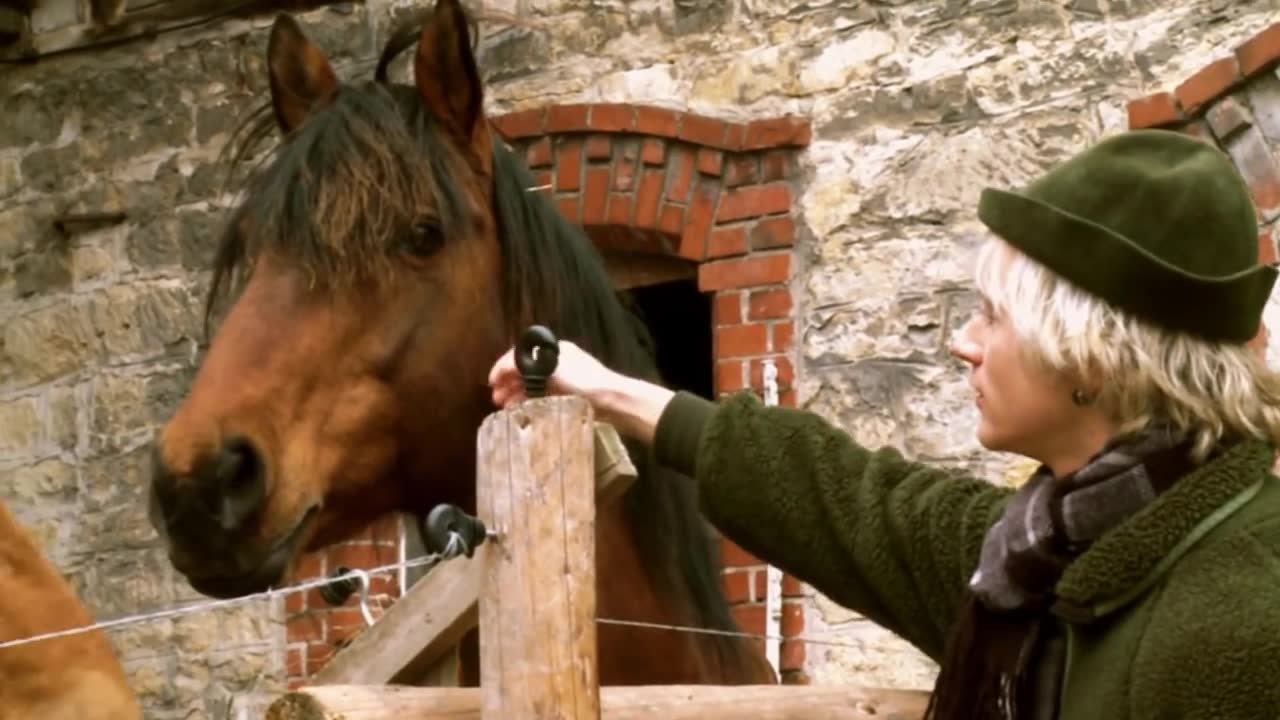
(239, 481)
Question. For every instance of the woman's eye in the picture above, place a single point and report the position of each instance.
(424, 238)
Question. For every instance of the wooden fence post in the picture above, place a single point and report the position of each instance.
(535, 486)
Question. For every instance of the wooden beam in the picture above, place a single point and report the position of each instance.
(535, 487)
(419, 631)
(660, 702)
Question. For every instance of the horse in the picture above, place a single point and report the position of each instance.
(383, 251)
(71, 677)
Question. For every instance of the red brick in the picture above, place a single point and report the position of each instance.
(612, 117)
(1152, 111)
(309, 565)
(542, 181)
(567, 118)
(774, 232)
(730, 376)
(786, 374)
(737, 586)
(568, 207)
(791, 655)
(769, 304)
(360, 556)
(703, 130)
(742, 170)
(294, 603)
(648, 197)
(296, 683)
(775, 165)
(750, 618)
(522, 124)
(318, 654)
(624, 174)
(753, 201)
(681, 167)
(789, 131)
(657, 121)
(539, 153)
(295, 659)
(1209, 83)
(1259, 52)
(653, 152)
(1226, 117)
(344, 624)
(308, 627)
(599, 147)
(727, 242)
(619, 212)
(569, 166)
(734, 136)
(1266, 247)
(671, 222)
(595, 196)
(744, 272)
(710, 162)
(792, 623)
(740, 340)
(697, 226)
(792, 587)
(782, 336)
(727, 308)
(787, 398)
(732, 556)
(1258, 167)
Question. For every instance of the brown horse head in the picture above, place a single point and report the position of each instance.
(382, 256)
(364, 254)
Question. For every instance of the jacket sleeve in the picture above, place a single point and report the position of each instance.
(893, 540)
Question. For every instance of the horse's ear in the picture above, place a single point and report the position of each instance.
(301, 77)
(445, 71)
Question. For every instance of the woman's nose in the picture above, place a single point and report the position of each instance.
(964, 346)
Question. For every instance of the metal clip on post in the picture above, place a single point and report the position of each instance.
(449, 532)
(537, 355)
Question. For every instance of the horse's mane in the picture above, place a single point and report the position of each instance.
(380, 133)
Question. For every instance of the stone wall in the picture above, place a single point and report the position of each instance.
(913, 106)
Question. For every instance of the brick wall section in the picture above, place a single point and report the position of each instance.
(1234, 103)
(314, 629)
(645, 179)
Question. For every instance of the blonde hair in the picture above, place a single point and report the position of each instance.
(1142, 372)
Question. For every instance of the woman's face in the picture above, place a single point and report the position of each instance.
(1024, 408)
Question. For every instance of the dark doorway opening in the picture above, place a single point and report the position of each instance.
(678, 317)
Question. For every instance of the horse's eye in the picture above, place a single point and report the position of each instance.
(425, 237)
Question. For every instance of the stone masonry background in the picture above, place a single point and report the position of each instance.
(915, 104)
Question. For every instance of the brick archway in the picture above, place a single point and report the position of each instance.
(719, 195)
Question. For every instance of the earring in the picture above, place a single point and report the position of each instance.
(1081, 398)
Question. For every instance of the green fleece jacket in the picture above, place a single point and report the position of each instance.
(1188, 590)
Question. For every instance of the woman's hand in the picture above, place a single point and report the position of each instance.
(577, 373)
(632, 406)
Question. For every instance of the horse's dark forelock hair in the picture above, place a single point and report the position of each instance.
(332, 195)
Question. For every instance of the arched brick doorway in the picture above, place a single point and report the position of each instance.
(672, 197)
(684, 208)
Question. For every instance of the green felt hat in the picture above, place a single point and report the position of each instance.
(1154, 222)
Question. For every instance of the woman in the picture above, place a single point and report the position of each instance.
(1137, 573)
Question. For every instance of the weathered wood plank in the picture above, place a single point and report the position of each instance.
(535, 487)
(663, 702)
(418, 630)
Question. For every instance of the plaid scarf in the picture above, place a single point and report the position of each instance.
(1002, 662)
